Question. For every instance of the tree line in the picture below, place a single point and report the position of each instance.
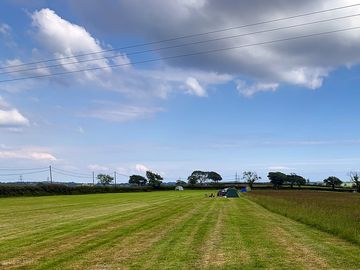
(278, 179)
(198, 177)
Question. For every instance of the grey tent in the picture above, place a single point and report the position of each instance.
(179, 188)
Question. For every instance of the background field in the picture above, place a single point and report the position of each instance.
(161, 230)
(338, 213)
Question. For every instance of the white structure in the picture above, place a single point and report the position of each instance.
(179, 188)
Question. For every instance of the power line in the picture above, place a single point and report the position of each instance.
(184, 55)
(122, 174)
(180, 45)
(75, 176)
(188, 36)
(23, 173)
(22, 169)
(72, 172)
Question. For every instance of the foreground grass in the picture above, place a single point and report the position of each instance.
(337, 213)
(160, 230)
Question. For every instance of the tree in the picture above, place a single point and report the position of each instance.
(214, 176)
(154, 179)
(192, 180)
(332, 181)
(104, 179)
(180, 183)
(200, 176)
(300, 181)
(137, 180)
(277, 178)
(250, 177)
(355, 178)
(293, 179)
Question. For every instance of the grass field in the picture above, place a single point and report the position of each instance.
(335, 212)
(161, 230)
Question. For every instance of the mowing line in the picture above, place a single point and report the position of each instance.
(175, 250)
(134, 245)
(45, 247)
(109, 237)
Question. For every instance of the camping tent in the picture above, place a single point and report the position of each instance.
(179, 188)
(228, 193)
(232, 193)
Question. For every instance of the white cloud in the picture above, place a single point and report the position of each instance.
(11, 117)
(26, 153)
(13, 66)
(141, 168)
(305, 62)
(59, 38)
(81, 130)
(125, 113)
(97, 167)
(63, 39)
(249, 90)
(195, 88)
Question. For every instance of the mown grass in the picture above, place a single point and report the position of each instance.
(337, 213)
(160, 230)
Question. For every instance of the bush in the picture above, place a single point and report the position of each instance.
(42, 189)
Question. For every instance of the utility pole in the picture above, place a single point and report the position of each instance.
(50, 174)
(93, 175)
(236, 177)
(115, 178)
(20, 178)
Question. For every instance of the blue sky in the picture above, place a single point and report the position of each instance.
(290, 106)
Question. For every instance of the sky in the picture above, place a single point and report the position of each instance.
(268, 105)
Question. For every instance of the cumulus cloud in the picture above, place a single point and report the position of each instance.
(72, 45)
(13, 66)
(194, 88)
(11, 117)
(305, 62)
(26, 153)
(65, 40)
(249, 90)
(141, 168)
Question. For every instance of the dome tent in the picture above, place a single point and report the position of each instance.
(179, 188)
(232, 193)
(228, 193)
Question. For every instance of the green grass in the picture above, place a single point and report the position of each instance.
(334, 212)
(161, 230)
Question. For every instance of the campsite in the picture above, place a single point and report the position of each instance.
(179, 135)
(170, 230)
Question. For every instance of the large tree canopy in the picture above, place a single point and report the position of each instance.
(154, 179)
(137, 180)
(294, 179)
(332, 181)
(277, 178)
(214, 176)
(202, 176)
